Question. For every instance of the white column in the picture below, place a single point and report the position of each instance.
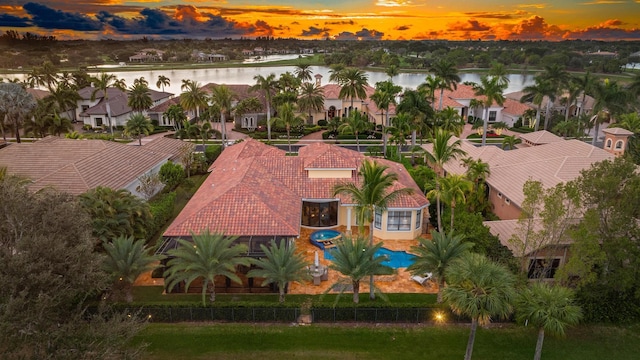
(348, 220)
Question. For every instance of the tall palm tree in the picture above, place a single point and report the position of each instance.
(416, 105)
(455, 189)
(400, 129)
(535, 94)
(65, 97)
(222, 97)
(356, 123)
(287, 89)
(336, 72)
(103, 83)
(634, 86)
(391, 71)
(353, 83)
(162, 82)
(510, 141)
(59, 124)
(193, 97)
(138, 125)
(480, 289)
(126, 260)
(374, 194)
(268, 86)
(551, 308)
(139, 97)
(477, 172)
(430, 86)
(15, 105)
(448, 74)
(435, 255)
(492, 89)
(448, 119)
(586, 83)
(205, 257)
(280, 265)
(499, 71)
(356, 259)
(612, 99)
(443, 151)
(311, 99)
(303, 72)
(175, 114)
(288, 119)
(384, 96)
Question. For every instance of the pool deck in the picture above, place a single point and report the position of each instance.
(398, 283)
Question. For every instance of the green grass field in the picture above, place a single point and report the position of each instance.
(364, 341)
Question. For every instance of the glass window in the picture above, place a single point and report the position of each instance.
(543, 268)
(320, 214)
(399, 221)
(492, 116)
(608, 146)
(418, 219)
(619, 144)
(98, 122)
(377, 220)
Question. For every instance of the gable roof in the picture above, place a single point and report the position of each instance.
(118, 100)
(241, 92)
(255, 189)
(540, 137)
(75, 166)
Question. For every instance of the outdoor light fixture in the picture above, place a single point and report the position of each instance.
(439, 317)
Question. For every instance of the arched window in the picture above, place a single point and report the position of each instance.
(608, 145)
(619, 144)
(331, 113)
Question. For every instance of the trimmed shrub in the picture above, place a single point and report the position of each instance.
(171, 174)
(211, 153)
(322, 122)
(162, 210)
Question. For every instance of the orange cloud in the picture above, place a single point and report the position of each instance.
(470, 25)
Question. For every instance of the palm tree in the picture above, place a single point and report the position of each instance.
(416, 105)
(374, 194)
(634, 86)
(126, 260)
(15, 105)
(356, 259)
(477, 171)
(139, 97)
(549, 307)
(400, 129)
(558, 79)
(59, 124)
(443, 151)
(222, 97)
(267, 85)
(446, 71)
(391, 71)
(138, 125)
(535, 94)
(311, 98)
(449, 120)
(205, 257)
(288, 119)
(162, 82)
(103, 83)
(510, 141)
(435, 255)
(356, 123)
(499, 72)
(175, 114)
(287, 89)
(454, 190)
(193, 97)
(613, 99)
(65, 98)
(384, 96)
(480, 289)
(430, 86)
(280, 265)
(353, 82)
(492, 89)
(303, 72)
(336, 72)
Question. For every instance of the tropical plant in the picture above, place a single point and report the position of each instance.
(510, 141)
(435, 255)
(208, 255)
(138, 125)
(442, 152)
(171, 174)
(384, 96)
(222, 96)
(353, 83)
(288, 119)
(446, 71)
(430, 86)
(400, 129)
(611, 100)
(59, 124)
(356, 123)
(102, 84)
(280, 265)
(455, 189)
(416, 105)
(303, 72)
(126, 260)
(175, 114)
(535, 94)
(550, 308)
(193, 97)
(356, 259)
(492, 89)
(477, 171)
(162, 82)
(311, 98)
(450, 120)
(139, 97)
(499, 72)
(375, 194)
(480, 289)
(15, 105)
(267, 85)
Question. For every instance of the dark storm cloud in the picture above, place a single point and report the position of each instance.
(13, 21)
(342, 22)
(364, 34)
(48, 18)
(314, 31)
(402, 27)
(151, 22)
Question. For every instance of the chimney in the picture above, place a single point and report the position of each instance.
(318, 80)
(615, 140)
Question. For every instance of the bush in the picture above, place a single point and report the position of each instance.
(162, 210)
(322, 122)
(211, 153)
(171, 174)
(518, 123)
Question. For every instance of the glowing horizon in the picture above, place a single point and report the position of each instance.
(356, 20)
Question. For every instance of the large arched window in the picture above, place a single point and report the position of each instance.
(320, 213)
(608, 144)
(619, 144)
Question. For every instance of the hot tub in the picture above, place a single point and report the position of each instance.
(325, 239)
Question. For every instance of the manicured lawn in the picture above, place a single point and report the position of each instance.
(359, 341)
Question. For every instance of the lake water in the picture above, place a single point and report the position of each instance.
(244, 75)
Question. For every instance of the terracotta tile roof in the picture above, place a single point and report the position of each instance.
(617, 131)
(331, 91)
(164, 106)
(38, 94)
(167, 145)
(550, 163)
(118, 100)
(241, 91)
(254, 189)
(541, 137)
(76, 166)
(514, 107)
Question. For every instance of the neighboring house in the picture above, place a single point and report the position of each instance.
(76, 166)
(207, 57)
(146, 55)
(258, 193)
(579, 105)
(544, 157)
(156, 113)
(241, 92)
(94, 112)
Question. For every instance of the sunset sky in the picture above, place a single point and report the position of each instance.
(337, 19)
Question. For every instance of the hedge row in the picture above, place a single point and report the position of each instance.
(162, 210)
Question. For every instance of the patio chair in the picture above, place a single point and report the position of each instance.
(422, 279)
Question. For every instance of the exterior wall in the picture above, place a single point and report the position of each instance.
(615, 144)
(383, 233)
(502, 205)
(330, 174)
(132, 187)
(509, 119)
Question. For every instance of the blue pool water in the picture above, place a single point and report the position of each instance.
(324, 234)
(395, 259)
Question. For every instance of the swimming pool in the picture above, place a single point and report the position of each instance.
(395, 259)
